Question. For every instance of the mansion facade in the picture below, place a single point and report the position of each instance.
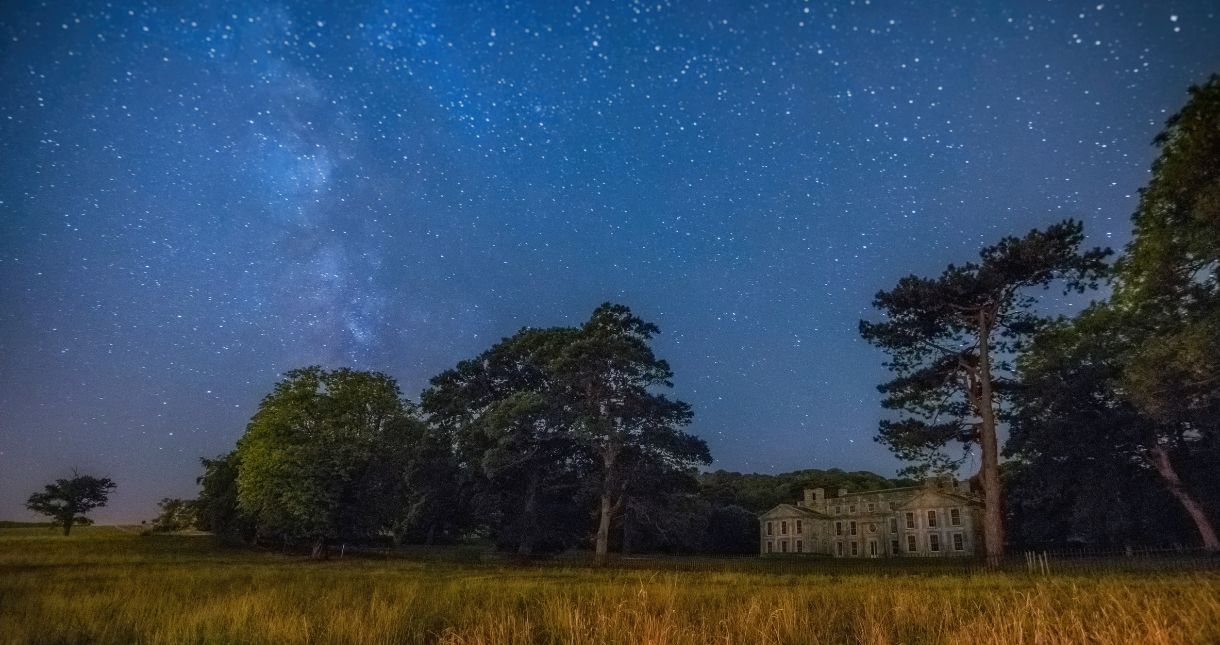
(936, 519)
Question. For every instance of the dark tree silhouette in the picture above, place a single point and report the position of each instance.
(67, 500)
(610, 376)
(950, 341)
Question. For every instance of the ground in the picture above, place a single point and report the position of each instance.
(108, 585)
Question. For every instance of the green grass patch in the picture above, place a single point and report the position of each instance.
(106, 585)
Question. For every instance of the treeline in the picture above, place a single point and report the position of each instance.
(550, 439)
(1113, 414)
(710, 512)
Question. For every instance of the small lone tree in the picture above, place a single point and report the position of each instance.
(951, 338)
(176, 515)
(67, 500)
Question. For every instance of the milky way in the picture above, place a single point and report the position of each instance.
(194, 199)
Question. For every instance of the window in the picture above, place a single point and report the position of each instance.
(931, 519)
(838, 528)
(770, 529)
(958, 543)
(955, 516)
(838, 509)
(798, 527)
(872, 527)
(934, 542)
(783, 546)
(871, 507)
(783, 528)
(853, 528)
(894, 547)
(872, 548)
(852, 509)
(839, 548)
(911, 543)
(800, 546)
(770, 546)
(894, 526)
(910, 520)
(855, 548)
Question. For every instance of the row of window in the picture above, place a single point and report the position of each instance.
(798, 545)
(933, 521)
(871, 506)
(957, 541)
(955, 519)
(783, 527)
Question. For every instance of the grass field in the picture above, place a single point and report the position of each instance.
(107, 585)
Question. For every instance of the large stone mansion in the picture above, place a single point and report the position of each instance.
(935, 519)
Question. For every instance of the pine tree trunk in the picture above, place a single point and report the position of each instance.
(601, 549)
(1160, 459)
(67, 527)
(993, 515)
(601, 553)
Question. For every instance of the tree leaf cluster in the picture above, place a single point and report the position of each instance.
(68, 500)
(1126, 392)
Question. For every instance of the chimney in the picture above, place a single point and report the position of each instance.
(842, 492)
(810, 497)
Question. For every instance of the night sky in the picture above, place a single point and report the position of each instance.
(194, 199)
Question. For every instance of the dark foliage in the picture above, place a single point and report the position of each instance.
(68, 500)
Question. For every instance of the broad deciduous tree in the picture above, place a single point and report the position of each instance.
(1078, 434)
(216, 507)
(317, 459)
(513, 434)
(67, 500)
(1168, 291)
(550, 416)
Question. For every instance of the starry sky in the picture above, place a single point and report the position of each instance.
(195, 197)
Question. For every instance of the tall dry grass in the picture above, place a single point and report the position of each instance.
(110, 587)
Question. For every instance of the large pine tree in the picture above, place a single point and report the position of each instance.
(951, 340)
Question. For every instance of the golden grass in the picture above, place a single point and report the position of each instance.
(107, 586)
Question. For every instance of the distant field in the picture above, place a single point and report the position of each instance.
(106, 585)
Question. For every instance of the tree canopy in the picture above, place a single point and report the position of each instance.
(68, 500)
(609, 377)
(951, 339)
(550, 418)
(1128, 389)
(513, 435)
(319, 458)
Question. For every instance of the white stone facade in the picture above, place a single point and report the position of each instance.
(938, 519)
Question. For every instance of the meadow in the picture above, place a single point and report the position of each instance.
(107, 585)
